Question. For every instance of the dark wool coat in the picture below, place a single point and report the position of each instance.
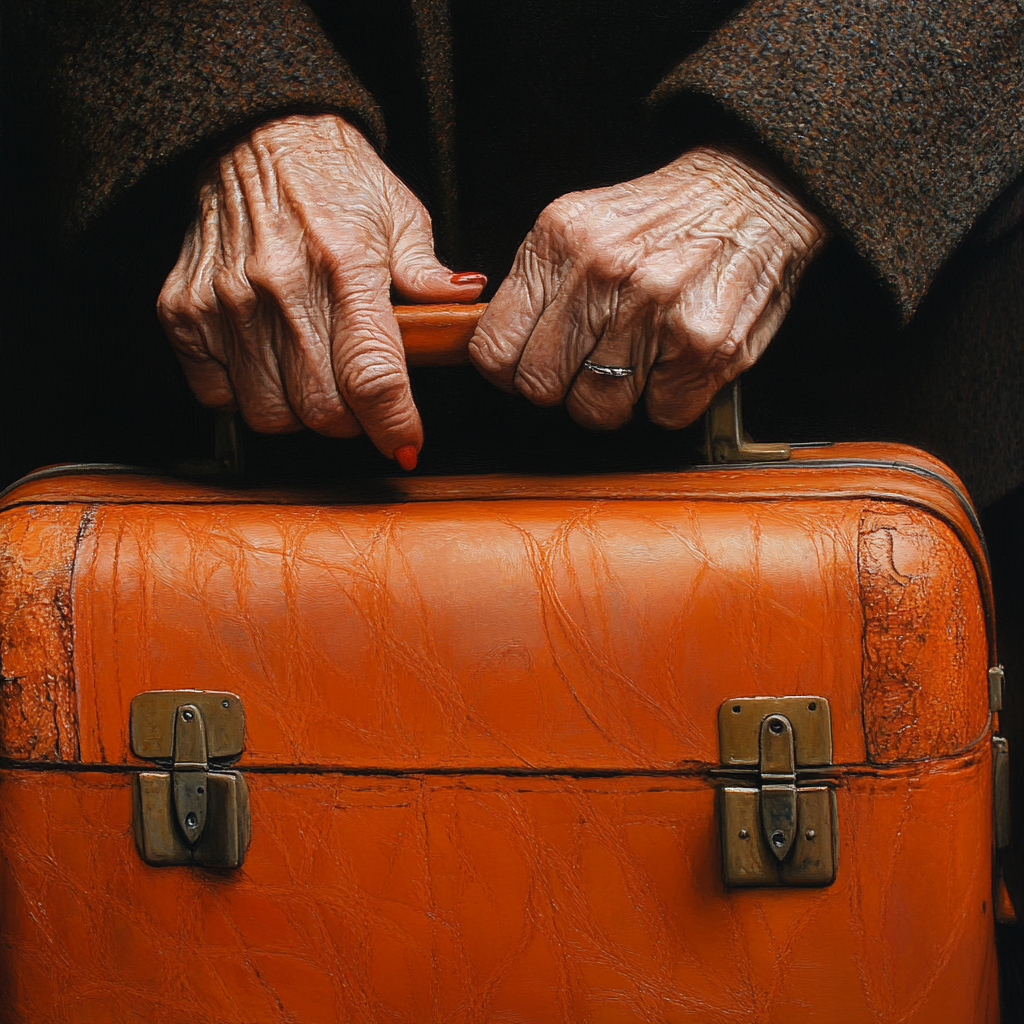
(903, 123)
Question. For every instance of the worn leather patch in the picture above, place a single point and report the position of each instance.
(38, 718)
(924, 636)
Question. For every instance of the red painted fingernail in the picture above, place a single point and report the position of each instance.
(470, 277)
(406, 457)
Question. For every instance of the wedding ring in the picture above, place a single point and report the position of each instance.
(608, 371)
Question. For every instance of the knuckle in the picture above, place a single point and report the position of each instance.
(663, 284)
(186, 337)
(266, 418)
(375, 381)
(236, 295)
(605, 264)
(558, 216)
(321, 412)
(214, 394)
(172, 305)
(489, 354)
(540, 387)
(273, 271)
(200, 299)
(704, 330)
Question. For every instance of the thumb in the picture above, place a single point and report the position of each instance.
(418, 274)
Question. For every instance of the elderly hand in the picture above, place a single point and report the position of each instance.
(280, 301)
(677, 279)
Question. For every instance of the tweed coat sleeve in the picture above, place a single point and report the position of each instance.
(129, 87)
(904, 120)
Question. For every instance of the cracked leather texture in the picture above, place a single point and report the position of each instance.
(424, 900)
(37, 699)
(402, 654)
(921, 610)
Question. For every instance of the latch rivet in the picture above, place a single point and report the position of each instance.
(810, 834)
(188, 715)
(225, 703)
(744, 834)
(190, 820)
(736, 709)
(779, 838)
(776, 726)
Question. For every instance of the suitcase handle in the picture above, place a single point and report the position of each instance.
(438, 335)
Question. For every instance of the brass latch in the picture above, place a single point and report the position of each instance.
(727, 441)
(193, 811)
(778, 827)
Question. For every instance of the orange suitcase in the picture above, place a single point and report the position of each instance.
(715, 745)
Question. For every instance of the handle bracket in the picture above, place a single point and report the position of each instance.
(727, 442)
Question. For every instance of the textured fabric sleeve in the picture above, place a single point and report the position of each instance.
(131, 86)
(903, 119)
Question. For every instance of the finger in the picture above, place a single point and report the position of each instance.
(251, 359)
(676, 398)
(681, 387)
(304, 357)
(239, 192)
(250, 324)
(719, 328)
(369, 361)
(289, 291)
(503, 331)
(415, 271)
(629, 342)
(557, 346)
(188, 310)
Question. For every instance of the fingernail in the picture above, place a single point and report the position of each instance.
(406, 457)
(469, 277)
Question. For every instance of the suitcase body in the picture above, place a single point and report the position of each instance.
(492, 748)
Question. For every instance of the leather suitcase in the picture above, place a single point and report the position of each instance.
(715, 745)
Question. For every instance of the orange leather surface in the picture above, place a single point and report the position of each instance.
(471, 899)
(510, 634)
(477, 634)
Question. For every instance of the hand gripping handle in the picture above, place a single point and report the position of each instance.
(439, 336)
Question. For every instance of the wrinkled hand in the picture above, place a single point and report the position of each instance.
(280, 301)
(682, 275)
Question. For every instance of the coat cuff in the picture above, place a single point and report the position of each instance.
(148, 83)
(903, 120)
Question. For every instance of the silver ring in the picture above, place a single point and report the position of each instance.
(608, 371)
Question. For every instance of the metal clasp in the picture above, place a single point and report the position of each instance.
(779, 827)
(194, 811)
